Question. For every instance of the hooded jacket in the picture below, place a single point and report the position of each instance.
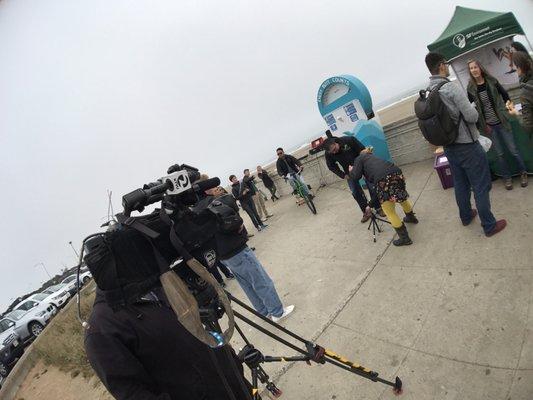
(144, 353)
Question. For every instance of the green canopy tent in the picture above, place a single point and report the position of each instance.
(470, 29)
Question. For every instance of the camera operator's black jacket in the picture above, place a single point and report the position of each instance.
(287, 164)
(350, 148)
(144, 353)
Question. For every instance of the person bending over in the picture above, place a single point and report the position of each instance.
(389, 182)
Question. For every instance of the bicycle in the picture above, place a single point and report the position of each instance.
(302, 191)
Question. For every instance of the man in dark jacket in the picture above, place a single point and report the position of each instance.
(290, 168)
(340, 155)
(235, 254)
(142, 352)
(268, 182)
(243, 193)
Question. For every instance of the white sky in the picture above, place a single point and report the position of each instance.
(100, 94)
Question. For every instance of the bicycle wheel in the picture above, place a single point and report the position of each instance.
(310, 204)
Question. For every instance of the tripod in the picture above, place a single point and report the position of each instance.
(374, 224)
(253, 358)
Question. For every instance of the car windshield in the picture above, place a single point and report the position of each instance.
(5, 325)
(16, 315)
(53, 289)
(41, 296)
(69, 279)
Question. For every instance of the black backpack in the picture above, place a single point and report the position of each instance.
(228, 220)
(434, 119)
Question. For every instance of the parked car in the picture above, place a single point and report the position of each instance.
(56, 295)
(11, 347)
(85, 276)
(30, 323)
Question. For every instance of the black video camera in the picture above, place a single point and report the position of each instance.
(127, 260)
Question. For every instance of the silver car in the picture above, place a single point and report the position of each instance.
(11, 348)
(30, 323)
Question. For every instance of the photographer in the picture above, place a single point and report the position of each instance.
(390, 189)
(142, 352)
(231, 238)
(343, 151)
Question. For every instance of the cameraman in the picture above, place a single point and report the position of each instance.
(142, 352)
(342, 152)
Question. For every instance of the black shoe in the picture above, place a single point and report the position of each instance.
(410, 218)
(403, 237)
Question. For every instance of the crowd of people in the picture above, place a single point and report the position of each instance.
(131, 371)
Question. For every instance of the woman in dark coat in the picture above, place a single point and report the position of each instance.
(492, 103)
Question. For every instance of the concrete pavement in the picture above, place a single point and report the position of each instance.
(451, 315)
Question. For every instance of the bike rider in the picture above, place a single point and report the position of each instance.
(290, 168)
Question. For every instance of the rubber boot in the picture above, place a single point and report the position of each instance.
(403, 237)
(410, 218)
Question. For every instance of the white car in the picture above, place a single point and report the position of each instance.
(29, 323)
(56, 295)
(85, 276)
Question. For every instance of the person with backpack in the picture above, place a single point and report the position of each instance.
(446, 118)
(232, 250)
(492, 102)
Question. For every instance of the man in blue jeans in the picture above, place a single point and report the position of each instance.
(468, 161)
(234, 253)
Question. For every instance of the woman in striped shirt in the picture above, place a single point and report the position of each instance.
(491, 101)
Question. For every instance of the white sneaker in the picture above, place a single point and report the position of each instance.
(286, 311)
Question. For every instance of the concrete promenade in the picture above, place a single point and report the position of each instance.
(452, 315)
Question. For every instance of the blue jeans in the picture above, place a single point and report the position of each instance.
(501, 137)
(255, 282)
(360, 197)
(470, 170)
(292, 178)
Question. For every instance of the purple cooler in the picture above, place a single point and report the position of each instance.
(442, 166)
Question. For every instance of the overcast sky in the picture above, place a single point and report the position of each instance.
(101, 94)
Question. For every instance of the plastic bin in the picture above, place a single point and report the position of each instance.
(442, 166)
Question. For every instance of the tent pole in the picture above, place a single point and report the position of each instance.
(528, 42)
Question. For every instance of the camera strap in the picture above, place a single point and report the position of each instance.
(183, 302)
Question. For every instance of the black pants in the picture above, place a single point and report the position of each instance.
(360, 197)
(225, 270)
(249, 207)
(273, 190)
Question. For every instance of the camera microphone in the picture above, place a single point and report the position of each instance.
(210, 183)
